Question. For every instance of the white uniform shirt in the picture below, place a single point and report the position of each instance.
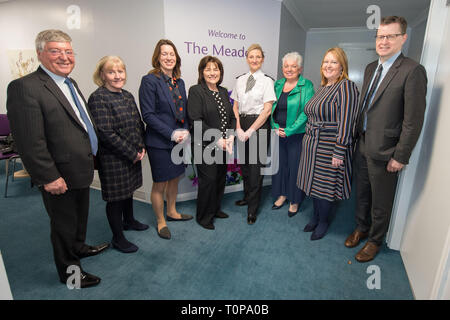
(253, 101)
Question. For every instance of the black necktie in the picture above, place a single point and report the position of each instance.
(369, 95)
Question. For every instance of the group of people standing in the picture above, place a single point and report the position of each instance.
(59, 135)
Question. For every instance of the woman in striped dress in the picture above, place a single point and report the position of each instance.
(325, 168)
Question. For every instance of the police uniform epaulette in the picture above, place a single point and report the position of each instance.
(241, 75)
(269, 76)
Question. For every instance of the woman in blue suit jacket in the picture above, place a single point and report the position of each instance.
(162, 97)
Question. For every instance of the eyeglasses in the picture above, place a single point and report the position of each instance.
(388, 36)
(57, 52)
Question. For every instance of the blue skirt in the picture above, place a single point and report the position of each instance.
(163, 169)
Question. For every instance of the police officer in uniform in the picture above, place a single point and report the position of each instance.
(253, 97)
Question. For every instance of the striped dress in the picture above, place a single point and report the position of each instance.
(332, 114)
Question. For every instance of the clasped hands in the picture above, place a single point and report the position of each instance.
(180, 135)
(226, 144)
(244, 136)
(280, 132)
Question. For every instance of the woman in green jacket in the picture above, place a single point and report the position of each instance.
(288, 119)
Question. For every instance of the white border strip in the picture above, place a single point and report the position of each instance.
(5, 290)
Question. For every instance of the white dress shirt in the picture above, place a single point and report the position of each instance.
(253, 101)
(386, 66)
(59, 80)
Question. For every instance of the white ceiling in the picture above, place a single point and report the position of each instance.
(352, 13)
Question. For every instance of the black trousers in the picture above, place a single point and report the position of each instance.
(251, 172)
(68, 214)
(375, 192)
(211, 187)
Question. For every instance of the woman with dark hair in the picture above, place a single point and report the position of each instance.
(209, 107)
(325, 169)
(162, 98)
(121, 148)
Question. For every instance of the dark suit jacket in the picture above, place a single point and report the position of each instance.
(395, 117)
(51, 140)
(158, 111)
(202, 107)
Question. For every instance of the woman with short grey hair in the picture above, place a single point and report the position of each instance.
(288, 119)
(293, 56)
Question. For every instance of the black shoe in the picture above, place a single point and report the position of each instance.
(208, 226)
(86, 280)
(320, 231)
(93, 250)
(128, 247)
(184, 217)
(251, 219)
(135, 225)
(89, 280)
(221, 215)
(292, 213)
(275, 207)
(310, 227)
(164, 233)
(241, 203)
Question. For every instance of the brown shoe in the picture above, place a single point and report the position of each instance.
(355, 238)
(368, 252)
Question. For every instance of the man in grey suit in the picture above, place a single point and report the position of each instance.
(391, 118)
(56, 140)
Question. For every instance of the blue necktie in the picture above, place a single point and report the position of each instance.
(90, 128)
(370, 93)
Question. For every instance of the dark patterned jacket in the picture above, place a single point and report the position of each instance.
(121, 137)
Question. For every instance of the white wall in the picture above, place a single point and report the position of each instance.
(131, 29)
(320, 40)
(416, 40)
(292, 37)
(5, 290)
(104, 30)
(426, 241)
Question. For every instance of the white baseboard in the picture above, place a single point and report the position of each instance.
(145, 196)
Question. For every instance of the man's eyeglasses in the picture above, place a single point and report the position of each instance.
(388, 36)
(57, 52)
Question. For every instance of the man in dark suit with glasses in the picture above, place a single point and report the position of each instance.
(388, 127)
(56, 140)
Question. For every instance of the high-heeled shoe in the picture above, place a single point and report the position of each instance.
(276, 207)
(293, 213)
